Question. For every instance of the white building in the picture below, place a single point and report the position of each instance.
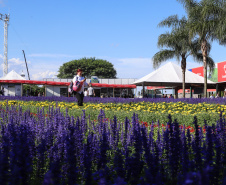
(12, 89)
(105, 87)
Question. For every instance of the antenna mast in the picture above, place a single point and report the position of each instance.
(26, 65)
(5, 18)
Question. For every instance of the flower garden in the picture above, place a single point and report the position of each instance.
(112, 141)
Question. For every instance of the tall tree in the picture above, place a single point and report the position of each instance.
(206, 22)
(89, 66)
(178, 44)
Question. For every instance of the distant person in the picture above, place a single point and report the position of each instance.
(39, 94)
(171, 96)
(163, 95)
(91, 91)
(224, 94)
(79, 94)
(85, 92)
(217, 96)
(2, 91)
(123, 93)
(211, 96)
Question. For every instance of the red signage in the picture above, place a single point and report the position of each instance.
(198, 70)
(221, 71)
(155, 87)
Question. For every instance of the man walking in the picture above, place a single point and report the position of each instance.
(91, 91)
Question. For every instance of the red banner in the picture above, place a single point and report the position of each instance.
(198, 70)
(221, 71)
(155, 87)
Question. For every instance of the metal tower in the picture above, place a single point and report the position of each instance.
(5, 18)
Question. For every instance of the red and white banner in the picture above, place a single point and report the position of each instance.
(221, 71)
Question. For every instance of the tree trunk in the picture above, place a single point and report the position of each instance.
(204, 54)
(183, 67)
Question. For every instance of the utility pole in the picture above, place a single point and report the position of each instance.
(5, 18)
(26, 65)
(28, 93)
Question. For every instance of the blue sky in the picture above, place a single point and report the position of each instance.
(52, 32)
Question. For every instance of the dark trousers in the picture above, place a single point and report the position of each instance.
(80, 98)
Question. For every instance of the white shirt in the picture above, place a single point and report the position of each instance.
(80, 78)
(90, 91)
(85, 93)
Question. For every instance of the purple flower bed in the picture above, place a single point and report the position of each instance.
(58, 149)
(116, 100)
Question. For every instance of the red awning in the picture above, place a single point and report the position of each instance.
(37, 82)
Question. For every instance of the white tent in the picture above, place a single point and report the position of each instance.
(11, 89)
(12, 75)
(171, 75)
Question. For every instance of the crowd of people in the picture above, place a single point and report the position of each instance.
(165, 96)
(217, 95)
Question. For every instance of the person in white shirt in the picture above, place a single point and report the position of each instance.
(211, 96)
(79, 94)
(224, 94)
(91, 91)
(217, 96)
(85, 92)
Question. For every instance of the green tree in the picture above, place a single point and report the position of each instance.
(33, 90)
(178, 44)
(206, 22)
(90, 66)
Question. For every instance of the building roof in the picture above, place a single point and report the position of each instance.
(12, 75)
(36, 82)
(171, 75)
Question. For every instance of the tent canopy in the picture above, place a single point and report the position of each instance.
(12, 75)
(171, 75)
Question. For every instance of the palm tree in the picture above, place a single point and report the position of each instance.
(206, 22)
(178, 45)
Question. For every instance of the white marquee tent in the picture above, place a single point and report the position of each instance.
(12, 75)
(171, 75)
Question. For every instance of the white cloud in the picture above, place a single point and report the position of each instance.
(13, 64)
(45, 74)
(15, 61)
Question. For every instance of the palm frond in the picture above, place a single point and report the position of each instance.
(188, 4)
(162, 56)
(210, 62)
